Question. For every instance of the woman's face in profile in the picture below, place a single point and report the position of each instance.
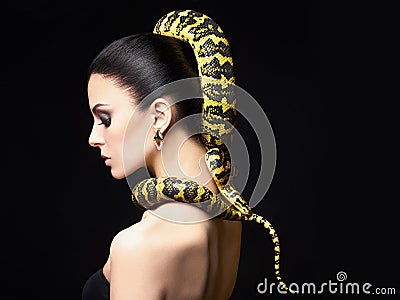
(122, 133)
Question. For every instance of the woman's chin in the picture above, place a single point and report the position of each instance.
(117, 174)
(120, 172)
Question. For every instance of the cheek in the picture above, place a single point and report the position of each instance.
(114, 139)
(135, 144)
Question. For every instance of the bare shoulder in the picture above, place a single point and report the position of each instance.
(153, 234)
(153, 251)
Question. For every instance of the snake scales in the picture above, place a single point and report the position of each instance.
(216, 71)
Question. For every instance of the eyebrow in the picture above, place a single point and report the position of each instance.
(94, 109)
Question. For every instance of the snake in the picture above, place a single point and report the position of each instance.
(215, 66)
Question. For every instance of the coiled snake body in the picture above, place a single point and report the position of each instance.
(218, 118)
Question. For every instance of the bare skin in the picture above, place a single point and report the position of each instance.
(165, 260)
(157, 258)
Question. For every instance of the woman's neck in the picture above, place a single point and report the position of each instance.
(181, 156)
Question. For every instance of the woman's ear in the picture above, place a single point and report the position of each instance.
(162, 114)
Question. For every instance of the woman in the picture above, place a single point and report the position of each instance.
(156, 258)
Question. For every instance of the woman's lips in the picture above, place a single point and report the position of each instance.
(107, 160)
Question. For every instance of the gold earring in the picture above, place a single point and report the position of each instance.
(158, 139)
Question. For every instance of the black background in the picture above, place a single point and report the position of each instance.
(321, 72)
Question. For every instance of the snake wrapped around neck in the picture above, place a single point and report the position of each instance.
(215, 66)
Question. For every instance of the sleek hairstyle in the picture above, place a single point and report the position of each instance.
(142, 63)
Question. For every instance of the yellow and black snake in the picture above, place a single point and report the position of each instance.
(215, 68)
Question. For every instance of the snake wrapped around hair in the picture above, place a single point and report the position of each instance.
(215, 67)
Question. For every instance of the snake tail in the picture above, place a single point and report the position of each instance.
(275, 240)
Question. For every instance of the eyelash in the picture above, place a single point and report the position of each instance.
(105, 120)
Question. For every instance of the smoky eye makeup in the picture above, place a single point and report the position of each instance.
(105, 118)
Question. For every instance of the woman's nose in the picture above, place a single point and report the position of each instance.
(95, 138)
